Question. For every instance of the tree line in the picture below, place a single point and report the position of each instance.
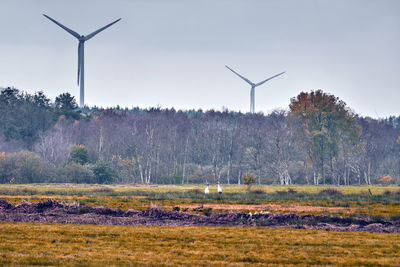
(318, 140)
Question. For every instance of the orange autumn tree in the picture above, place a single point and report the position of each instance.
(327, 124)
(386, 179)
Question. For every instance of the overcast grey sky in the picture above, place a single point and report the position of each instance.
(172, 53)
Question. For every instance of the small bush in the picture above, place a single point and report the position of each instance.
(330, 191)
(76, 173)
(249, 180)
(23, 167)
(397, 192)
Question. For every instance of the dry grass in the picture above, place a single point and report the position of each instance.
(57, 244)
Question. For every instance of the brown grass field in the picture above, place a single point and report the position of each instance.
(107, 245)
(93, 245)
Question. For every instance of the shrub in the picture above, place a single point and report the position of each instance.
(76, 173)
(22, 167)
(249, 180)
(103, 172)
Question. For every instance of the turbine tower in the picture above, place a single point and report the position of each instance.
(81, 48)
(253, 86)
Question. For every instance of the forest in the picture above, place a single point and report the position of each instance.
(317, 140)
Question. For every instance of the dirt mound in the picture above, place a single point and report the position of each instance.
(28, 207)
(54, 211)
(5, 205)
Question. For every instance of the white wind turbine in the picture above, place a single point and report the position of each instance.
(253, 86)
(81, 48)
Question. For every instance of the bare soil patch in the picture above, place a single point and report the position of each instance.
(268, 207)
(52, 211)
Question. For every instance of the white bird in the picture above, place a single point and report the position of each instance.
(219, 189)
(207, 191)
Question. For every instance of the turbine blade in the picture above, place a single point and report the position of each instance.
(245, 79)
(75, 34)
(79, 61)
(87, 37)
(258, 84)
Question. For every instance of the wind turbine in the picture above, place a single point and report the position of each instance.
(253, 86)
(81, 48)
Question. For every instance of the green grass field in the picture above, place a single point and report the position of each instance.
(57, 244)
